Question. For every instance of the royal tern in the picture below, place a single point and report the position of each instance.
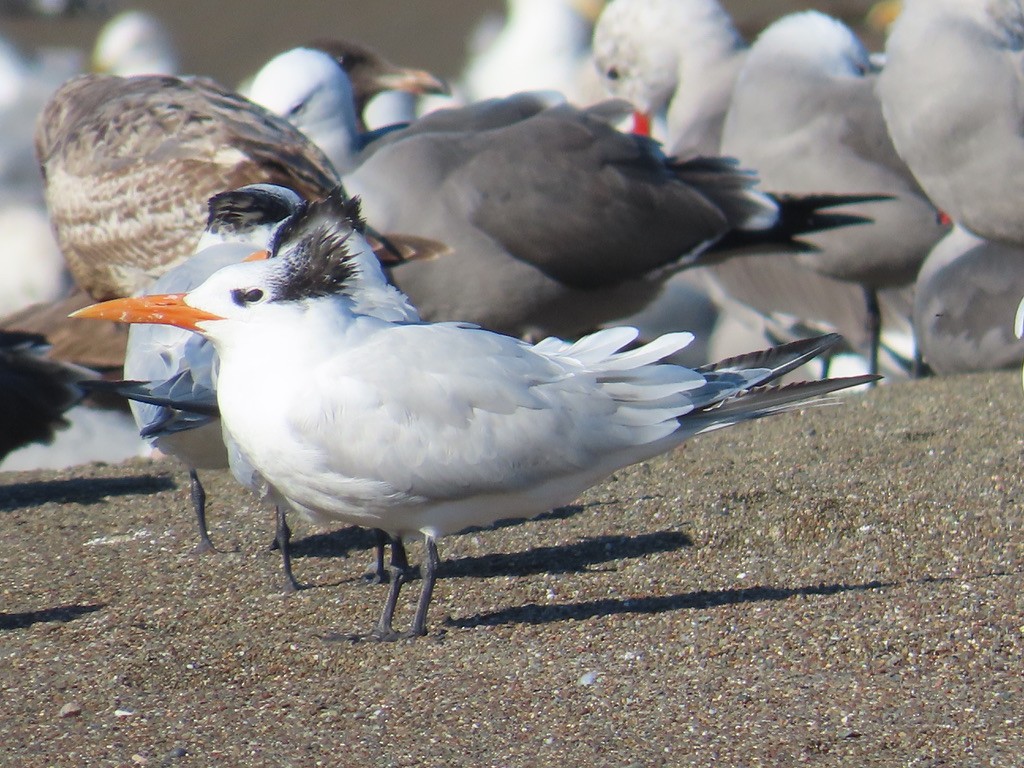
(804, 113)
(170, 373)
(351, 409)
(184, 364)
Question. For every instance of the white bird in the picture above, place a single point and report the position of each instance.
(171, 374)
(954, 103)
(349, 408)
(804, 113)
(333, 119)
(181, 365)
(542, 45)
(676, 56)
(134, 43)
(965, 293)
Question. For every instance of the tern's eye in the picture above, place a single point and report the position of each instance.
(243, 296)
(612, 74)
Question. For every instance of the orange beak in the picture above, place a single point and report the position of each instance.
(159, 309)
(257, 256)
(641, 124)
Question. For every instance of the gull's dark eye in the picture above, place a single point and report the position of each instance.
(243, 296)
(612, 74)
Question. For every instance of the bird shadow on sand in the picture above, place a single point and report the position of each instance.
(533, 613)
(80, 490)
(344, 541)
(577, 557)
(63, 614)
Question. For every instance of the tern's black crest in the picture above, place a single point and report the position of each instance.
(316, 247)
(249, 207)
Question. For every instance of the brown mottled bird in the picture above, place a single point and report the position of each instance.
(129, 163)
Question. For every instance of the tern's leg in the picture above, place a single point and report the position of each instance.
(398, 557)
(198, 495)
(377, 574)
(419, 623)
(284, 537)
(399, 575)
(874, 328)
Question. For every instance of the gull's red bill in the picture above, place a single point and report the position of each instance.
(641, 123)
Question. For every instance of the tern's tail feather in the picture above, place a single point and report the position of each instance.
(740, 388)
(777, 361)
(767, 401)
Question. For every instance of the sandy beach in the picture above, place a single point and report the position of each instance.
(839, 586)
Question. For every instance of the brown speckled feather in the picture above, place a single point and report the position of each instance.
(129, 164)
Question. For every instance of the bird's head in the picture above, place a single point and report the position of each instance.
(318, 254)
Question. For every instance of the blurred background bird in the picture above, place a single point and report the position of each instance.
(707, 56)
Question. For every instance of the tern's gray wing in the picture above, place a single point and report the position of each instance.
(174, 370)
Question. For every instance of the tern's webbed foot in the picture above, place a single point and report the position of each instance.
(204, 546)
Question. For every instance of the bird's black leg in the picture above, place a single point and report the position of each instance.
(198, 495)
(398, 557)
(399, 574)
(419, 623)
(284, 537)
(377, 574)
(874, 317)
